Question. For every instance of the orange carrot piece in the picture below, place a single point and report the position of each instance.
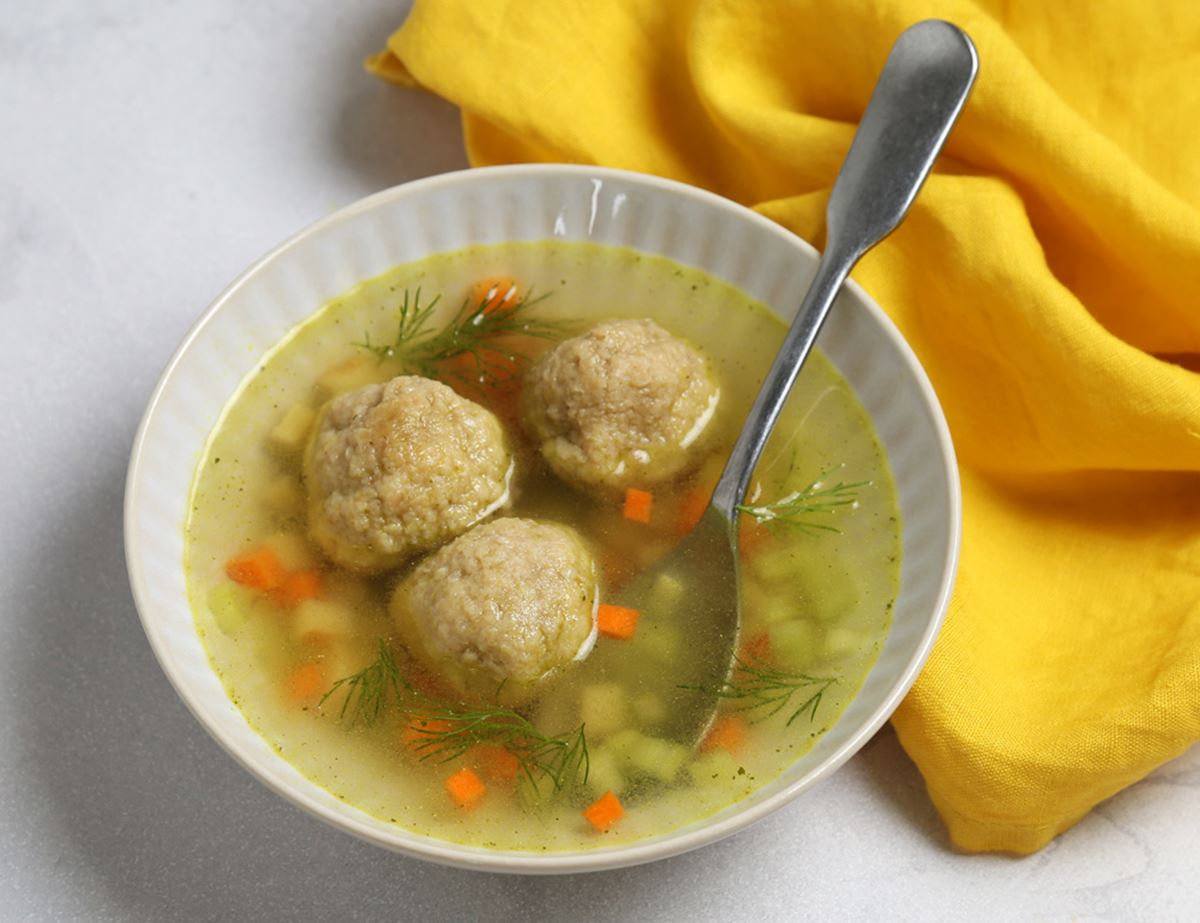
(466, 788)
(296, 587)
(497, 293)
(304, 683)
(616, 621)
(691, 508)
(604, 812)
(638, 504)
(259, 568)
(756, 648)
(751, 534)
(421, 730)
(728, 733)
(496, 763)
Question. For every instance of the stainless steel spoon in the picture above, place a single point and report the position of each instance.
(916, 101)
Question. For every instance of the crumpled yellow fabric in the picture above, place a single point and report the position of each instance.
(1048, 278)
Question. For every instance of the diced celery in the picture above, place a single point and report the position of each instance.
(659, 758)
(293, 550)
(793, 643)
(604, 772)
(841, 641)
(831, 591)
(603, 708)
(649, 709)
(291, 432)
(316, 620)
(715, 768)
(283, 494)
(230, 605)
(665, 594)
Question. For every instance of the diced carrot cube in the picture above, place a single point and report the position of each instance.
(498, 293)
(692, 507)
(604, 812)
(305, 683)
(757, 647)
(466, 788)
(259, 568)
(638, 504)
(616, 621)
(727, 733)
(296, 587)
(496, 763)
(420, 731)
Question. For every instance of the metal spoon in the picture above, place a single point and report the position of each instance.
(916, 101)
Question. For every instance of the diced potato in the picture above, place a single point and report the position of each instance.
(666, 594)
(715, 768)
(658, 640)
(284, 495)
(793, 643)
(841, 641)
(231, 605)
(604, 772)
(604, 709)
(293, 550)
(782, 607)
(659, 758)
(355, 373)
(649, 709)
(317, 620)
(291, 432)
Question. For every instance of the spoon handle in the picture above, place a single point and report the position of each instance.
(916, 102)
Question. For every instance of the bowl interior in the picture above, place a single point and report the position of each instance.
(533, 203)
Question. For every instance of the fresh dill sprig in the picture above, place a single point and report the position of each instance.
(798, 508)
(372, 690)
(758, 686)
(446, 732)
(478, 331)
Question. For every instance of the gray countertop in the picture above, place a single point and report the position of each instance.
(150, 152)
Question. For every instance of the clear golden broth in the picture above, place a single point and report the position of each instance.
(821, 600)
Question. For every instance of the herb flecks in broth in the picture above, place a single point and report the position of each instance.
(480, 344)
(443, 733)
(798, 508)
(815, 603)
(764, 691)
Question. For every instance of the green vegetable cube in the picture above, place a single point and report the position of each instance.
(661, 759)
(841, 641)
(604, 709)
(231, 605)
(793, 643)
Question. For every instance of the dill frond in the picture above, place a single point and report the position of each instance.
(447, 732)
(483, 333)
(798, 509)
(759, 687)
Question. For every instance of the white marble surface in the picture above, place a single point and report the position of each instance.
(150, 151)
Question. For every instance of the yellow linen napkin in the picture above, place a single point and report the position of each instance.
(1048, 278)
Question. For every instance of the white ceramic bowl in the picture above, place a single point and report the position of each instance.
(494, 205)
